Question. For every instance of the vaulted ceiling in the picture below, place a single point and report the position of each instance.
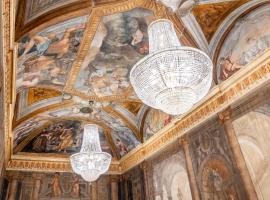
(73, 63)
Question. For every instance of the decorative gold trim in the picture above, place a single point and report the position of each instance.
(49, 166)
(245, 81)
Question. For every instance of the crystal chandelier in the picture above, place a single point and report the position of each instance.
(90, 162)
(172, 77)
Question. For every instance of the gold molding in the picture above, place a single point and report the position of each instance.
(240, 84)
(49, 166)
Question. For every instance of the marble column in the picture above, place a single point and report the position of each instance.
(94, 190)
(191, 175)
(225, 118)
(13, 185)
(145, 167)
(37, 186)
(114, 188)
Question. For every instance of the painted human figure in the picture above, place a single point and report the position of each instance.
(227, 68)
(56, 186)
(46, 45)
(216, 184)
(121, 146)
(66, 139)
(75, 187)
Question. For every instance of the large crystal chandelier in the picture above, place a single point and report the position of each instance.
(90, 162)
(172, 77)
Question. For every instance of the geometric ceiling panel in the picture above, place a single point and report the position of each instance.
(210, 16)
(45, 58)
(38, 94)
(29, 100)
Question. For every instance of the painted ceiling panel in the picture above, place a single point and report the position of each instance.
(210, 16)
(46, 58)
(120, 41)
(248, 39)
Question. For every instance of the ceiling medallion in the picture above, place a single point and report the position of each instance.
(90, 162)
(172, 77)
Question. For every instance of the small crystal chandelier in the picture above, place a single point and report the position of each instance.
(90, 162)
(172, 77)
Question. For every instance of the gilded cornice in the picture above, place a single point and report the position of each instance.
(58, 165)
(250, 78)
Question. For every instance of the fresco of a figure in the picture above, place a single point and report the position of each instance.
(63, 137)
(46, 57)
(249, 38)
(120, 41)
(154, 122)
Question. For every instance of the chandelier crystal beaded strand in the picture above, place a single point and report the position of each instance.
(90, 162)
(172, 77)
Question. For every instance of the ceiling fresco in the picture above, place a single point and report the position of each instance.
(46, 57)
(210, 15)
(249, 38)
(120, 41)
(73, 69)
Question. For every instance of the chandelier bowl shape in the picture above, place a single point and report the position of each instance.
(172, 77)
(90, 162)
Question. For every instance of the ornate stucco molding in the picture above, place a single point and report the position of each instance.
(45, 164)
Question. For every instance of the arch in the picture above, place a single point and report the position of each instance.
(219, 45)
(253, 156)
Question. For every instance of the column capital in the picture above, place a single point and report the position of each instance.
(14, 175)
(225, 115)
(37, 176)
(183, 141)
(114, 178)
(144, 165)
